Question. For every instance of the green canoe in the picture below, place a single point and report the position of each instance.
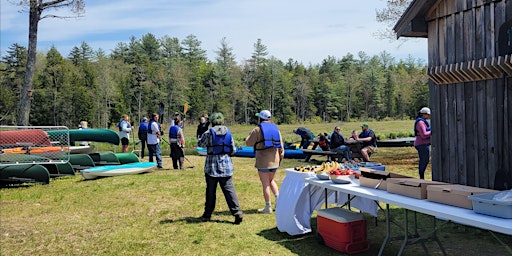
(23, 173)
(81, 161)
(126, 158)
(58, 170)
(104, 158)
(95, 135)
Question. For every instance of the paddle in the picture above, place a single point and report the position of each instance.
(185, 109)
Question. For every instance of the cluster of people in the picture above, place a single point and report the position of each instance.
(335, 142)
(268, 144)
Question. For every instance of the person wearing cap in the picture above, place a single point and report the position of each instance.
(175, 118)
(422, 141)
(143, 135)
(268, 146)
(369, 140)
(306, 136)
(219, 168)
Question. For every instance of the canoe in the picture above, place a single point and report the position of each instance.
(246, 151)
(81, 161)
(117, 170)
(128, 157)
(399, 142)
(95, 135)
(24, 173)
(104, 158)
(31, 137)
(58, 170)
(81, 149)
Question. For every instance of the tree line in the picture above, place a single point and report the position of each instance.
(150, 74)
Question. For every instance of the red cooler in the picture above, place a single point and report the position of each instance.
(342, 230)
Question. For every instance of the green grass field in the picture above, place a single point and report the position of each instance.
(157, 214)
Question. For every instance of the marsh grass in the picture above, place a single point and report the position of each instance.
(157, 214)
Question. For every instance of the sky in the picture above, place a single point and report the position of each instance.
(306, 31)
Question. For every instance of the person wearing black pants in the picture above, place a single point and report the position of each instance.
(177, 141)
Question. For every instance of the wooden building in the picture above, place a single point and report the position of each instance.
(470, 71)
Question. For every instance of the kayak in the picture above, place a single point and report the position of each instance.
(34, 150)
(117, 170)
(58, 170)
(246, 151)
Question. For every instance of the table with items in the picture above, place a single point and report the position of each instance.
(437, 210)
(298, 199)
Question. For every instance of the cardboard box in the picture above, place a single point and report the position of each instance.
(456, 195)
(376, 179)
(342, 230)
(411, 187)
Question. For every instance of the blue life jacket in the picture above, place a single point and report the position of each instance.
(271, 138)
(150, 124)
(143, 127)
(416, 132)
(173, 133)
(221, 144)
(120, 125)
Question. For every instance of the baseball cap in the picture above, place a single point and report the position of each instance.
(144, 119)
(364, 125)
(425, 110)
(264, 114)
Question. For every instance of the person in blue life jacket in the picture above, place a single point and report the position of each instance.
(177, 141)
(369, 140)
(142, 134)
(219, 168)
(338, 144)
(306, 136)
(268, 146)
(422, 140)
(125, 128)
(154, 133)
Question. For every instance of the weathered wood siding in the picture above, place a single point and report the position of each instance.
(471, 121)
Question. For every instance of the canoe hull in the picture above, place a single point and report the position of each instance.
(117, 170)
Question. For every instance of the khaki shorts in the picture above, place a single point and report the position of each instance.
(369, 149)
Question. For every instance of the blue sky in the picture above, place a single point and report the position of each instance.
(306, 31)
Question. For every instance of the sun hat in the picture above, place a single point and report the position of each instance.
(425, 110)
(364, 125)
(264, 114)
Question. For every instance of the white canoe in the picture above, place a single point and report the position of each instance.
(117, 170)
(81, 149)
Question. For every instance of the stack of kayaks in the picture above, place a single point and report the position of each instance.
(246, 151)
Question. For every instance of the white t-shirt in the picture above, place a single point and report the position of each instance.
(152, 137)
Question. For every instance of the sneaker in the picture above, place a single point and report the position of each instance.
(238, 219)
(205, 218)
(267, 209)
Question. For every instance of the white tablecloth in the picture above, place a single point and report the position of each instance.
(297, 200)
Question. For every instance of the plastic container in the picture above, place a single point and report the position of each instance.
(342, 230)
(484, 204)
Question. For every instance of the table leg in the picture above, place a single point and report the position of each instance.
(388, 231)
(406, 232)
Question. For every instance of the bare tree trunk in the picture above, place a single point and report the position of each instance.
(27, 90)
